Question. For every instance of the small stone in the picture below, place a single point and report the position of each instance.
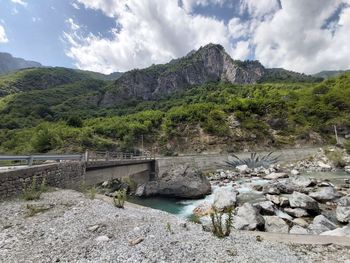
(136, 241)
(102, 238)
(294, 172)
(301, 222)
(296, 212)
(273, 176)
(275, 224)
(298, 230)
(93, 228)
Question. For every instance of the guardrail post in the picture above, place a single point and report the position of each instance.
(30, 160)
(86, 156)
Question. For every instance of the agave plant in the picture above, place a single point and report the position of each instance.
(254, 161)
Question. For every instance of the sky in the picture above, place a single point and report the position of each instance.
(118, 35)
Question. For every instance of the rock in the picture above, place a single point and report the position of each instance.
(266, 208)
(298, 230)
(325, 194)
(203, 209)
(324, 166)
(294, 172)
(93, 228)
(303, 201)
(273, 198)
(275, 224)
(225, 198)
(341, 232)
(283, 215)
(271, 189)
(296, 212)
(136, 241)
(242, 168)
(343, 209)
(102, 238)
(247, 217)
(273, 176)
(105, 184)
(347, 169)
(179, 181)
(302, 181)
(284, 201)
(300, 222)
(321, 224)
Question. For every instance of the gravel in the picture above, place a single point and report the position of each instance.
(73, 228)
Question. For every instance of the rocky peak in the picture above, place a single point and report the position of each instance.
(8, 63)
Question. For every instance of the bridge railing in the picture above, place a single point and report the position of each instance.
(115, 156)
(29, 159)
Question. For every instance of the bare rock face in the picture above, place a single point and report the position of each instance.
(210, 63)
(179, 181)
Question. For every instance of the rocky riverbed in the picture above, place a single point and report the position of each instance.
(279, 199)
(66, 226)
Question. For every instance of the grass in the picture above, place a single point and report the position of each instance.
(336, 157)
(33, 191)
(32, 209)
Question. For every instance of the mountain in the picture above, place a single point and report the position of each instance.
(330, 73)
(8, 63)
(209, 64)
(100, 76)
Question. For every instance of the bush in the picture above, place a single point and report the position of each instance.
(119, 198)
(221, 227)
(33, 191)
(336, 157)
(347, 146)
(75, 121)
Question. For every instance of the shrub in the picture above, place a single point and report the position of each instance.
(347, 146)
(336, 157)
(119, 198)
(33, 191)
(221, 227)
(75, 121)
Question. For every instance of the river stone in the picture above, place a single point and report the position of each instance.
(273, 176)
(324, 166)
(271, 189)
(343, 209)
(294, 172)
(341, 232)
(273, 198)
(321, 224)
(203, 209)
(303, 201)
(296, 212)
(179, 181)
(301, 222)
(283, 215)
(325, 194)
(298, 230)
(266, 208)
(275, 224)
(242, 168)
(302, 181)
(225, 198)
(247, 217)
(102, 238)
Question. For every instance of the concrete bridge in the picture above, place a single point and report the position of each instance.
(73, 171)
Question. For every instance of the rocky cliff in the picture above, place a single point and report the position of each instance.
(8, 63)
(209, 64)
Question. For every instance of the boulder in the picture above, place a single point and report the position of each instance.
(179, 181)
(275, 224)
(247, 217)
(283, 215)
(300, 222)
(296, 212)
(225, 198)
(294, 172)
(298, 230)
(341, 232)
(203, 209)
(321, 224)
(271, 189)
(302, 181)
(273, 198)
(266, 208)
(343, 209)
(242, 168)
(325, 194)
(284, 201)
(303, 201)
(273, 176)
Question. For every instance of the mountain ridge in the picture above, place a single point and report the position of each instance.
(9, 63)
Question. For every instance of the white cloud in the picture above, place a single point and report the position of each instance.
(36, 19)
(150, 32)
(72, 25)
(299, 35)
(3, 37)
(75, 5)
(20, 2)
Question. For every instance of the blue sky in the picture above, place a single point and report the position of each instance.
(118, 35)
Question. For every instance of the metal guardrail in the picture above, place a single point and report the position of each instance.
(114, 156)
(31, 158)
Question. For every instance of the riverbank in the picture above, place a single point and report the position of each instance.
(73, 228)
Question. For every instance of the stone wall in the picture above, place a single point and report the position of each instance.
(63, 175)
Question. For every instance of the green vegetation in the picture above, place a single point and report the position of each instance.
(336, 157)
(119, 198)
(33, 190)
(221, 222)
(58, 110)
(33, 209)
